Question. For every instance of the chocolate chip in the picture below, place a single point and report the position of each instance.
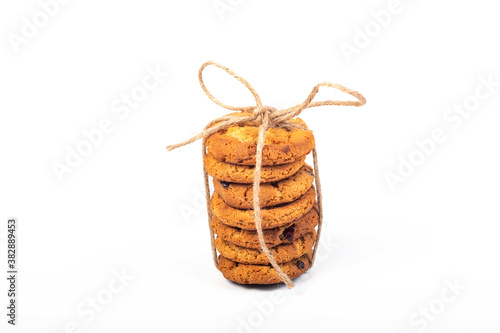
(300, 264)
(224, 184)
(309, 172)
(289, 232)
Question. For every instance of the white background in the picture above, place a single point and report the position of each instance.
(131, 205)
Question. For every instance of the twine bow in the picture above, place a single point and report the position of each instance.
(264, 117)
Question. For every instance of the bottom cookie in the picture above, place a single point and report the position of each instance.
(262, 274)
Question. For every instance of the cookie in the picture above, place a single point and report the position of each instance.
(273, 237)
(271, 194)
(244, 173)
(282, 253)
(262, 274)
(271, 217)
(238, 144)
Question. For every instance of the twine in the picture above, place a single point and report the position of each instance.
(264, 117)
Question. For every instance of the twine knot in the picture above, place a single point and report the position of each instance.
(260, 112)
(265, 117)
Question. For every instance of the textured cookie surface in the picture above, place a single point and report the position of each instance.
(244, 173)
(271, 194)
(262, 274)
(273, 237)
(282, 253)
(271, 217)
(238, 144)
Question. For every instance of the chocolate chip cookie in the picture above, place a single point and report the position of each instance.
(262, 274)
(273, 237)
(271, 217)
(271, 194)
(244, 173)
(282, 253)
(238, 144)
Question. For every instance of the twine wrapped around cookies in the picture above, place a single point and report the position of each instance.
(264, 117)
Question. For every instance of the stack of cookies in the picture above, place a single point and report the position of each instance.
(287, 196)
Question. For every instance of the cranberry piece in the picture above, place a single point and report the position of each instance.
(289, 232)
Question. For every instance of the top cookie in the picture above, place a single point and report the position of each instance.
(238, 144)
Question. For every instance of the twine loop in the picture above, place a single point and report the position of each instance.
(264, 117)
